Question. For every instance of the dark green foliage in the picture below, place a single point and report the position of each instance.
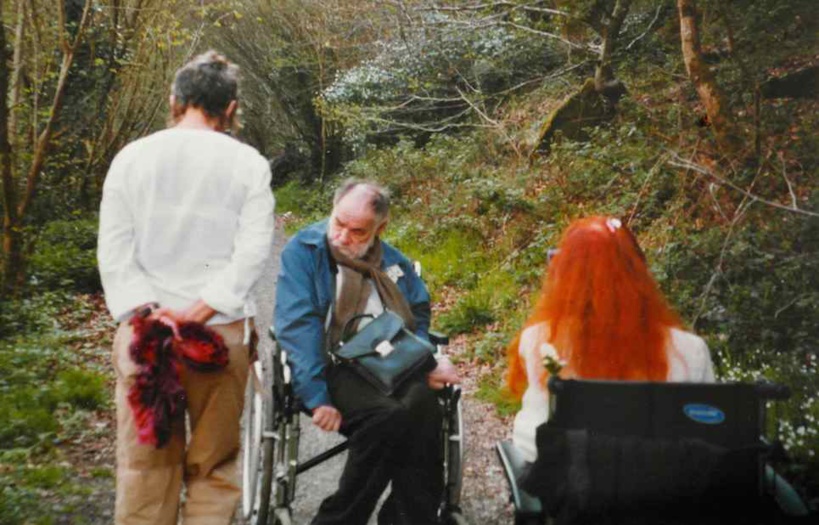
(36, 380)
(49, 392)
(80, 389)
(24, 487)
(41, 370)
(65, 256)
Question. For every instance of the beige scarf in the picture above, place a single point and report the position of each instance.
(355, 290)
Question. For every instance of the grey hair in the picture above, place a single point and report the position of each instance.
(209, 82)
(379, 196)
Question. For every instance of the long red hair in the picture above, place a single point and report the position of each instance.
(603, 310)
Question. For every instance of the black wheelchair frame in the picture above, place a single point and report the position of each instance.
(658, 411)
(270, 443)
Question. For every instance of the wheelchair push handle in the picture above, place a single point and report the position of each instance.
(769, 390)
(438, 339)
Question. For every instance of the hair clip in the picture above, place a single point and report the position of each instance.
(613, 224)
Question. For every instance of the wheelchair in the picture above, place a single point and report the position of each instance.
(270, 444)
(635, 452)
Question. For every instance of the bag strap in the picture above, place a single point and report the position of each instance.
(352, 320)
(329, 316)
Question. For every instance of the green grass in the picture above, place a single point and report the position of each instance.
(491, 390)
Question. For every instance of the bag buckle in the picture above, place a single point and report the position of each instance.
(384, 348)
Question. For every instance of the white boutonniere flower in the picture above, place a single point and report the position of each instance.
(394, 272)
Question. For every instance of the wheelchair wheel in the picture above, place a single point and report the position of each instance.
(282, 517)
(257, 448)
(455, 453)
(456, 518)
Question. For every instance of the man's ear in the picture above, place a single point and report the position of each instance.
(382, 227)
(230, 112)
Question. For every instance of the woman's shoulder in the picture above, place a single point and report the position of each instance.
(533, 338)
(695, 354)
(533, 333)
(684, 341)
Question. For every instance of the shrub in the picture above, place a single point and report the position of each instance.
(65, 256)
(414, 85)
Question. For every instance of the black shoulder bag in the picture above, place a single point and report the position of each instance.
(384, 352)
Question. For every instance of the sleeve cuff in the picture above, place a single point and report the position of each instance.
(321, 397)
(221, 302)
(122, 307)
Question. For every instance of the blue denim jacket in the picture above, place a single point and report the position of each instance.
(303, 295)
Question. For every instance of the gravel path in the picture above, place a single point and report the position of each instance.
(485, 492)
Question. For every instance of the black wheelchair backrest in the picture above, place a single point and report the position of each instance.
(725, 414)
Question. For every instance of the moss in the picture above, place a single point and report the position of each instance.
(581, 110)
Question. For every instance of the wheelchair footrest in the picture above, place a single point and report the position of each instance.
(513, 463)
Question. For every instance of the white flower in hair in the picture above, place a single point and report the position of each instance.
(613, 224)
(394, 272)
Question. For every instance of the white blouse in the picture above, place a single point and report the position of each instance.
(186, 214)
(690, 361)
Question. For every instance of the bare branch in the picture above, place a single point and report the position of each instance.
(61, 23)
(791, 303)
(654, 169)
(788, 182)
(679, 162)
(648, 29)
(493, 5)
(16, 74)
(718, 269)
(542, 33)
(44, 139)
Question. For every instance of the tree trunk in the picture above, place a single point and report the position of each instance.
(14, 208)
(12, 253)
(610, 31)
(711, 96)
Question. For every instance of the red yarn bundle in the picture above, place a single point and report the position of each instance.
(159, 349)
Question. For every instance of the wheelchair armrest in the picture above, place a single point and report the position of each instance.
(437, 338)
(451, 393)
(526, 505)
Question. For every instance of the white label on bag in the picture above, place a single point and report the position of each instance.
(384, 348)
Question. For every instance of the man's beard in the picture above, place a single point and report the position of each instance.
(358, 253)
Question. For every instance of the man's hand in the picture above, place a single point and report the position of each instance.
(443, 374)
(327, 418)
(198, 312)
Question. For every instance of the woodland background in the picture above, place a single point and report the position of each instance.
(494, 123)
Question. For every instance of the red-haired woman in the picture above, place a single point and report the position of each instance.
(601, 313)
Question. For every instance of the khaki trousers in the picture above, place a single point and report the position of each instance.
(149, 480)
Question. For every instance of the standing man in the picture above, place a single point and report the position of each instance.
(186, 226)
(330, 272)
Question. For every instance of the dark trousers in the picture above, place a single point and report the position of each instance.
(392, 439)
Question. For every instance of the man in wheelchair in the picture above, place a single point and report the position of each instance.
(331, 272)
